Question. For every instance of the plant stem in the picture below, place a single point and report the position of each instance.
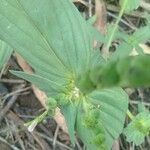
(32, 124)
(130, 115)
(116, 24)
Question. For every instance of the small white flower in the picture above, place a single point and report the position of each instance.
(76, 92)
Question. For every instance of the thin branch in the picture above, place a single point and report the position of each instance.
(51, 140)
(145, 5)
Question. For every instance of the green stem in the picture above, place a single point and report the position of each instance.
(130, 115)
(37, 119)
(116, 24)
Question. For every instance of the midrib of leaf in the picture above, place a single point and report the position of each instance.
(19, 28)
(30, 22)
(41, 35)
(31, 39)
(48, 80)
(48, 72)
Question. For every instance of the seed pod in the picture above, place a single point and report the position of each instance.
(99, 141)
(91, 119)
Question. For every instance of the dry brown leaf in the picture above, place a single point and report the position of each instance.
(116, 145)
(101, 20)
(101, 15)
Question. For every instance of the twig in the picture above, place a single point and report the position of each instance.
(137, 102)
(116, 145)
(8, 106)
(12, 81)
(39, 141)
(90, 8)
(101, 16)
(46, 131)
(134, 14)
(51, 140)
(145, 5)
(121, 20)
(17, 137)
(32, 146)
(26, 116)
(78, 145)
(17, 92)
(55, 137)
(20, 122)
(11, 146)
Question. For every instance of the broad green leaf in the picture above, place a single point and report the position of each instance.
(138, 128)
(70, 111)
(5, 53)
(113, 107)
(84, 82)
(21, 32)
(91, 132)
(85, 134)
(52, 33)
(113, 104)
(96, 59)
(52, 88)
(95, 34)
(131, 4)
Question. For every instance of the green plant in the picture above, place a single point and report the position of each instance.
(57, 42)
